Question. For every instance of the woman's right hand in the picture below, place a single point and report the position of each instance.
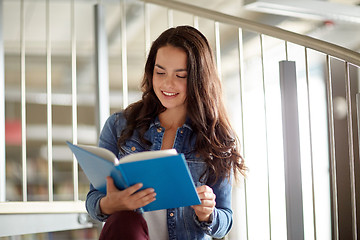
(127, 199)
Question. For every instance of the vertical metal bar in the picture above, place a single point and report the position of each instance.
(241, 71)
(286, 51)
(102, 68)
(291, 141)
(74, 99)
(48, 103)
(170, 15)
(330, 110)
(147, 28)
(217, 48)
(124, 55)
(266, 133)
(23, 100)
(2, 111)
(351, 150)
(310, 142)
(196, 22)
(358, 116)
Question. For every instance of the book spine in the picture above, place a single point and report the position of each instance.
(118, 176)
(139, 210)
(125, 180)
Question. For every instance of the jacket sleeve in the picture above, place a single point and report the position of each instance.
(221, 219)
(93, 204)
(108, 139)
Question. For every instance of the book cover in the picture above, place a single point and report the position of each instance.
(166, 171)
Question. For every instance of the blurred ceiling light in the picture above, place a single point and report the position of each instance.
(311, 9)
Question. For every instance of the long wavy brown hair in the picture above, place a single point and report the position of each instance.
(216, 140)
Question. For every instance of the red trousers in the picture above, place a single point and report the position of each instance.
(127, 225)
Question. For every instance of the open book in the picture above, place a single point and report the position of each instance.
(166, 171)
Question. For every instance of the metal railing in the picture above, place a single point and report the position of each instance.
(39, 213)
(302, 40)
(349, 57)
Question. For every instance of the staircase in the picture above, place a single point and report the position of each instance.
(293, 100)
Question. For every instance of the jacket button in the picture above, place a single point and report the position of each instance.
(171, 214)
(159, 130)
(133, 148)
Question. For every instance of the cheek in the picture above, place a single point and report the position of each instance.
(184, 87)
(155, 86)
(155, 83)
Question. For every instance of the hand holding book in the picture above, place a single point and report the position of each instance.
(208, 203)
(128, 199)
(164, 171)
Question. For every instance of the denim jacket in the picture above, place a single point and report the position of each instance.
(182, 222)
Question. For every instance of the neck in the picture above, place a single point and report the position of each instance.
(170, 120)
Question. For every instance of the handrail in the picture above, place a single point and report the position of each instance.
(306, 41)
(38, 207)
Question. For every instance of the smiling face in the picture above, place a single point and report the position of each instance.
(170, 77)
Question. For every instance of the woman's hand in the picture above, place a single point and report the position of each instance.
(128, 199)
(207, 198)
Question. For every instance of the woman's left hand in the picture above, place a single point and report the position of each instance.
(207, 198)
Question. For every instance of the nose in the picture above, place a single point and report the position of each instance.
(169, 80)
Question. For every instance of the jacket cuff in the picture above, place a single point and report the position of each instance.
(205, 226)
(100, 216)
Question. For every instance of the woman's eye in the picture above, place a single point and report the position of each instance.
(160, 73)
(181, 76)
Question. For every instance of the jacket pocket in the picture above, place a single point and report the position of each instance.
(198, 171)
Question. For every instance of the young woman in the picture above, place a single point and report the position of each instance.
(181, 108)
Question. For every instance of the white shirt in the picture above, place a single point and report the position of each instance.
(157, 224)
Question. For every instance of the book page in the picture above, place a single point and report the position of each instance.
(138, 156)
(101, 152)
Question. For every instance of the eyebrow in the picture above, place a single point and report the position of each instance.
(177, 70)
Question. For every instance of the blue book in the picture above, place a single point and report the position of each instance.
(166, 171)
